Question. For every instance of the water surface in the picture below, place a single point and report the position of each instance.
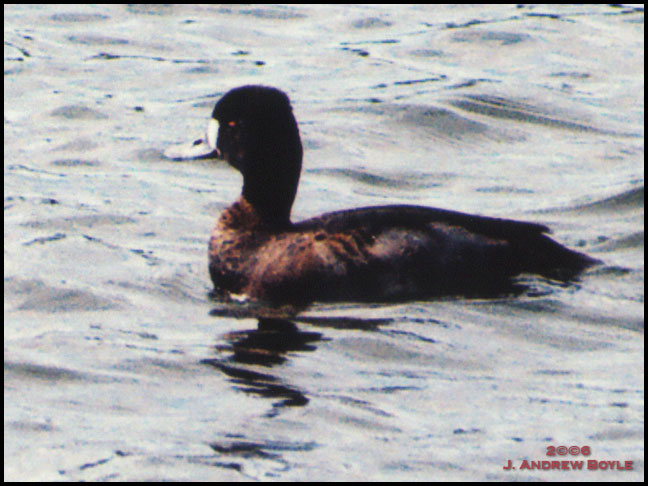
(119, 367)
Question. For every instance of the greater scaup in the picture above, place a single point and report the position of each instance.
(370, 254)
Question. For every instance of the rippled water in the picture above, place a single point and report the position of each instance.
(119, 367)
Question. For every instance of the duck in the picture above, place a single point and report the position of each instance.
(371, 254)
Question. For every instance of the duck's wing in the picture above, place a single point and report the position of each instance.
(378, 218)
(473, 245)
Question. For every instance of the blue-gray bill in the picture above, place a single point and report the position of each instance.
(201, 148)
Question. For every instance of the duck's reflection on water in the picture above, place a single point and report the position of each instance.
(268, 346)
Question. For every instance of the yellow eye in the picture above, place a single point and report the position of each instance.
(231, 124)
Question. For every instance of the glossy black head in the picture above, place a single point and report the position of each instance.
(258, 135)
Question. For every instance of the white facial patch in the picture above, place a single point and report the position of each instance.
(212, 133)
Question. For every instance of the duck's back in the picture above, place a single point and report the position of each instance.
(396, 252)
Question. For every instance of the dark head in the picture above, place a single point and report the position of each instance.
(258, 135)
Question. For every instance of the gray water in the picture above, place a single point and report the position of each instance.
(118, 366)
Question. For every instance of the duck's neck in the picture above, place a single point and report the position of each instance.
(243, 215)
(271, 189)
